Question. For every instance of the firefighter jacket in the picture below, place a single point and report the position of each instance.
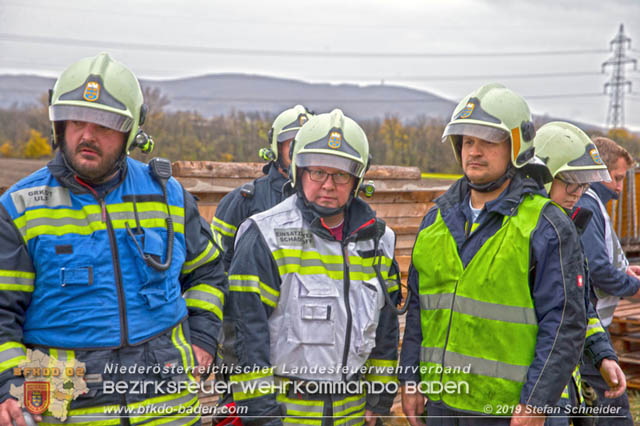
(516, 319)
(247, 200)
(309, 308)
(74, 283)
(607, 261)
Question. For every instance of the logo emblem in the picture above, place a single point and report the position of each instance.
(303, 119)
(92, 91)
(467, 110)
(595, 155)
(335, 140)
(36, 396)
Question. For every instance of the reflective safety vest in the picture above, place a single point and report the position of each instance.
(479, 324)
(330, 298)
(92, 288)
(606, 304)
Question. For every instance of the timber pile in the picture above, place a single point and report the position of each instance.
(402, 198)
(625, 335)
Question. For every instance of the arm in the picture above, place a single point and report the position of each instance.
(558, 294)
(384, 356)
(17, 278)
(229, 214)
(413, 403)
(604, 275)
(253, 296)
(203, 281)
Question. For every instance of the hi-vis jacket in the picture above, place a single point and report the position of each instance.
(607, 261)
(300, 300)
(71, 278)
(236, 207)
(549, 310)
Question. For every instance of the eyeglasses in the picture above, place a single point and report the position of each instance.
(320, 176)
(575, 188)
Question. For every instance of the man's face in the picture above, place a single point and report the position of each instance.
(566, 194)
(283, 153)
(484, 161)
(618, 172)
(328, 193)
(92, 149)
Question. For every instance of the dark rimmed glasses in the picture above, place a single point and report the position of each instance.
(320, 176)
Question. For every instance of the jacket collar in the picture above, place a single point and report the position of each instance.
(276, 180)
(604, 193)
(504, 205)
(361, 222)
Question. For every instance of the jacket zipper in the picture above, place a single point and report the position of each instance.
(346, 287)
(117, 274)
(124, 338)
(446, 340)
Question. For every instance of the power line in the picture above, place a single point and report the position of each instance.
(357, 100)
(280, 53)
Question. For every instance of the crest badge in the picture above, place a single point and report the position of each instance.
(303, 119)
(467, 110)
(92, 91)
(36, 396)
(595, 155)
(335, 140)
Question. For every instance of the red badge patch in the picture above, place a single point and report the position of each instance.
(580, 283)
(36, 396)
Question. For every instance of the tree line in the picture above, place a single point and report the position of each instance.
(238, 136)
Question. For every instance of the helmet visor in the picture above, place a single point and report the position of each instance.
(101, 117)
(287, 135)
(307, 159)
(488, 133)
(585, 176)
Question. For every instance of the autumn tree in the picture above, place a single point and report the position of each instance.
(37, 146)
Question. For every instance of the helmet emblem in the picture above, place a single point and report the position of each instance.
(335, 139)
(595, 155)
(303, 119)
(467, 110)
(92, 91)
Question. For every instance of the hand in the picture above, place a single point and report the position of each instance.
(525, 417)
(634, 271)
(204, 359)
(10, 410)
(413, 407)
(370, 418)
(615, 378)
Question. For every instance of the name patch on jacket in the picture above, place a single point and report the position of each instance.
(294, 237)
(40, 196)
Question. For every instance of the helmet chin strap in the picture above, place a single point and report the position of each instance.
(493, 185)
(321, 210)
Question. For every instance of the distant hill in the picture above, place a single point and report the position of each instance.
(219, 94)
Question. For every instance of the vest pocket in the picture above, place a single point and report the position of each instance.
(153, 284)
(366, 300)
(313, 319)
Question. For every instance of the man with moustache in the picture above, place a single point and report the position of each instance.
(105, 262)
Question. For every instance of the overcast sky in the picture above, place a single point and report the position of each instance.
(445, 47)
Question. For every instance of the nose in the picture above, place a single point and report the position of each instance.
(89, 131)
(329, 183)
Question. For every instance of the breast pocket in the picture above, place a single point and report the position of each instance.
(314, 317)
